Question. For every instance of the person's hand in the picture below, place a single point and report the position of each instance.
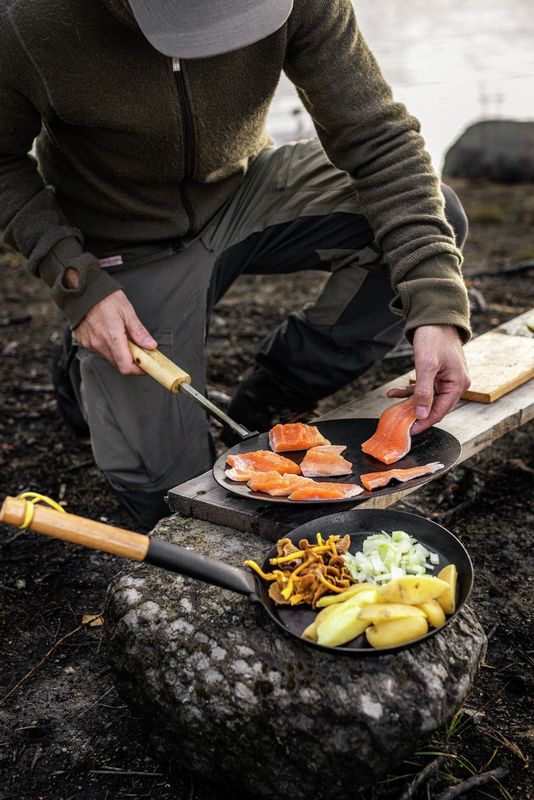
(440, 372)
(106, 327)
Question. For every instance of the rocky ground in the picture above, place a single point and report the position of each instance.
(64, 731)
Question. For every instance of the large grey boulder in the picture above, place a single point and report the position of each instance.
(224, 693)
(500, 150)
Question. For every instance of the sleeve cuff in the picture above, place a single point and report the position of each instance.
(94, 283)
(434, 294)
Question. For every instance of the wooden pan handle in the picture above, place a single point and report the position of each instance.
(78, 530)
(159, 367)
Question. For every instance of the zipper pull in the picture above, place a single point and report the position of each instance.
(176, 64)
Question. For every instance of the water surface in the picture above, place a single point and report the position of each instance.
(450, 61)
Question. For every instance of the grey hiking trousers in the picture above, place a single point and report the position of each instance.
(293, 211)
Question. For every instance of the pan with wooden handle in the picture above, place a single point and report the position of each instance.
(184, 561)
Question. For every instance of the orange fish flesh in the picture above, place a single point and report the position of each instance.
(391, 440)
(375, 480)
(325, 461)
(326, 491)
(275, 484)
(295, 436)
(245, 465)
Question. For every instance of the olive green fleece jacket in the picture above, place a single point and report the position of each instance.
(130, 153)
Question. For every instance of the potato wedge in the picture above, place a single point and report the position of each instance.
(342, 623)
(396, 631)
(380, 612)
(413, 589)
(311, 631)
(447, 599)
(332, 599)
(434, 613)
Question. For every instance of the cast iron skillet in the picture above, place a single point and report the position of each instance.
(433, 444)
(292, 620)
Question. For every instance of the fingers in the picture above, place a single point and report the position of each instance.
(105, 330)
(442, 405)
(400, 391)
(138, 333)
(425, 374)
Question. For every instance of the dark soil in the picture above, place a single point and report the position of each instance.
(64, 732)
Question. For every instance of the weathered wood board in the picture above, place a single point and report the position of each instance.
(498, 362)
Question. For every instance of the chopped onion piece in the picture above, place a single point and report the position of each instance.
(385, 557)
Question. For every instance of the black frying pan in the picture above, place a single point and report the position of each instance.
(293, 620)
(433, 444)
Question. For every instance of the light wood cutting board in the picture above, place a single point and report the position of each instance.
(498, 363)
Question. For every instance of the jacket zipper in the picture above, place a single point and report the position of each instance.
(188, 135)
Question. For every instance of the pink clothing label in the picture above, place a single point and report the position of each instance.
(111, 261)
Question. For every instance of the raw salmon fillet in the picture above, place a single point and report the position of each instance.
(325, 461)
(375, 480)
(246, 464)
(326, 491)
(275, 484)
(391, 440)
(295, 436)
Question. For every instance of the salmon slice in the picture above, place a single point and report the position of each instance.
(391, 440)
(375, 480)
(245, 465)
(326, 491)
(295, 436)
(325, 461)
(275, 484)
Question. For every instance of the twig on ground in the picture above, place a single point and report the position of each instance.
(34, 669)
(92, 705)
(5, 588)
(112, 771)
(473, 783)
(519, 266)
(89, 463)
(423, 777)
(452, 511)
(36, 757)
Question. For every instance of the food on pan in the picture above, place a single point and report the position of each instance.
(447, 600)
(375, 480)
(326, 491)
(244, 466)
(413, 589)
(391, 440)
(303, 574)
(325, 461)
(384, 557)
(434, 612)
(389, 613)
(396, 631)
(336, 625)
(275, 484)
(295, 436)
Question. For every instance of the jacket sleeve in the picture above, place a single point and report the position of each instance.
(30, 219)
(377, 142)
